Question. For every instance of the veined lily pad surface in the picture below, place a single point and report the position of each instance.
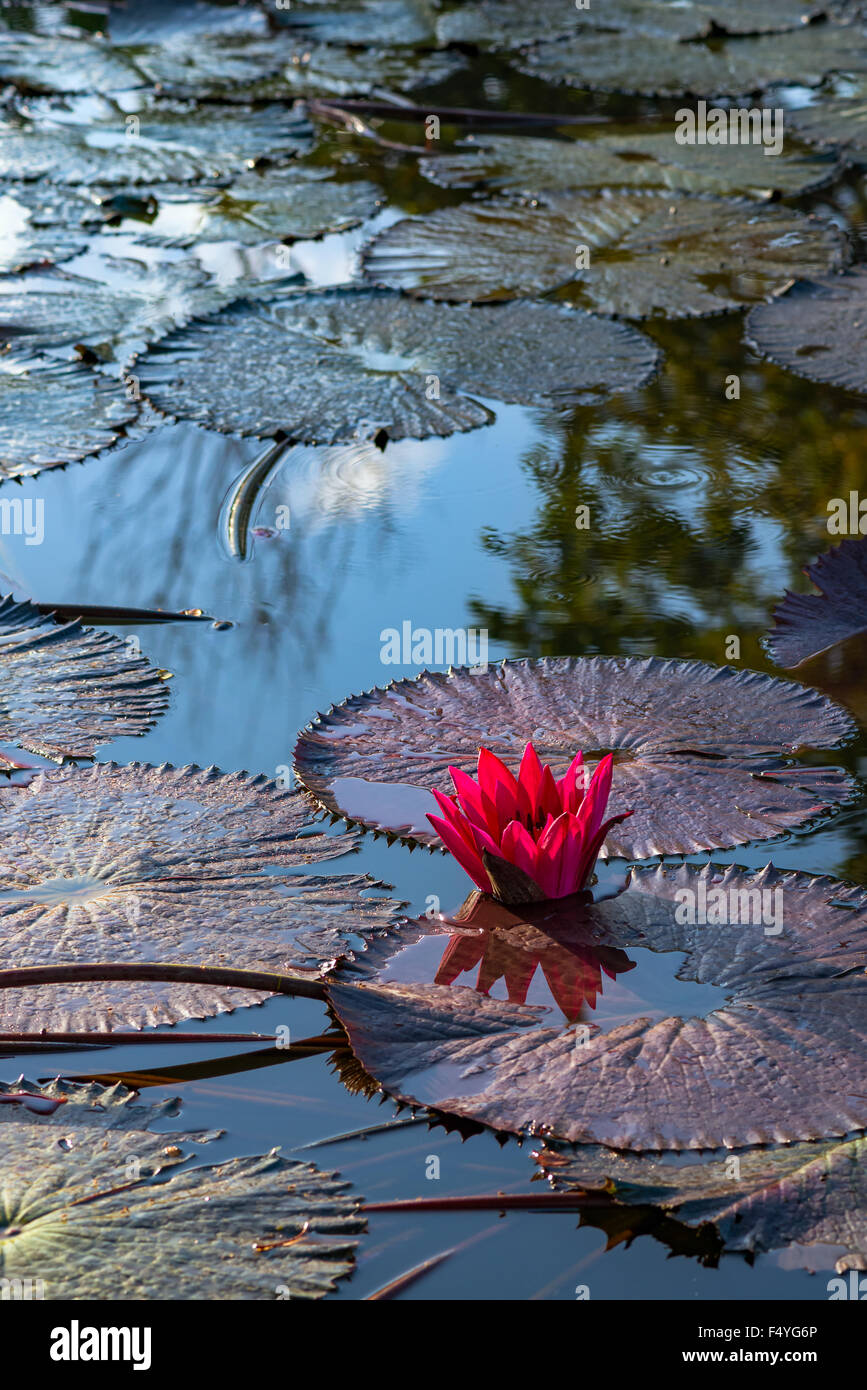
(67, 689)
(735, 67)
(626, 253)
(503, 24)
(807, 624)
(781, 1060)
(182, 865)
(654, 160)
(340, 365)
(115, 1211)
(56, 412)
(794, 1197)
(702, 753)
(818, 331)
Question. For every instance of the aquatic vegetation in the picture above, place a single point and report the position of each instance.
(643, 254)
(817, 330)
(56, 412)
(551, 831)
(702, 753)
(781, 1060)
(806, 624)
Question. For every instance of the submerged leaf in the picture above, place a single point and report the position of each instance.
(67, 689)
(648, 254)
(56, 412)
(732, 67)
(190, 866)
(807, 624)
(817, 330)
(118, 1213)
(338, 365)
(698, 749)
(782, 1060)
(836, 120)
(798, 1196)
(524, 164)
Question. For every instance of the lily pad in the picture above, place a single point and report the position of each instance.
(818, 330)
(797, 1196)
(782, 1060)
(732, 67)
(524, 164)
(73, 1103)
(272, 204)
(56, 412)
(361, 22)
(181, 865)
(503, 24)
(339, 365)
(839, 120)
(647, 254)
(807, 624)
(700, 751)
(120, 1214)
(118, 302)
(45, 63)
(161, 141)
(67, 689)
(23, 243)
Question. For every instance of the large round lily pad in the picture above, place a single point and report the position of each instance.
(360, 22)
(806, 1198)
(55, 412)
(119, 1213)
(130, 864)
(807, 624)
(700, 751)
(818, 331)
(59, 63)
(647, 254)
(67, 689)
(782, 1060)
(525, 164)
(159, 141)
(334, 366)
(503, 24)
(732, 67)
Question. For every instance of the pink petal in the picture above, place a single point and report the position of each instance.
(571, 785)
(468, 859)
(501, 788)
(519, 847)
(479, 808)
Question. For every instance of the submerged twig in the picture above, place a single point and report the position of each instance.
(497, 1201)
(457, 115)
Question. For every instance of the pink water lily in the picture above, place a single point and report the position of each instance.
(552, 830)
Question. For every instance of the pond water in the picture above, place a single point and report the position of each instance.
(703, 511)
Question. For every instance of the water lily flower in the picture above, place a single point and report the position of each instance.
(528, 837)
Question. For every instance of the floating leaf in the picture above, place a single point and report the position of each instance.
(134, 864)
(42, 63)
(796, 1196)
(698, 749)
(74, 1103)
(524, 164)
(733, 67)
(114, 1213)
(22, 243)
(818, 330)
(338, 365)
(161, 141)
(502, 24)
(361, 22)
(807, 624)
(836, 120)
(263, 205)
(647, 254)
(67, 689)
(118, 302)
(55, 412)
(782, 1060)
